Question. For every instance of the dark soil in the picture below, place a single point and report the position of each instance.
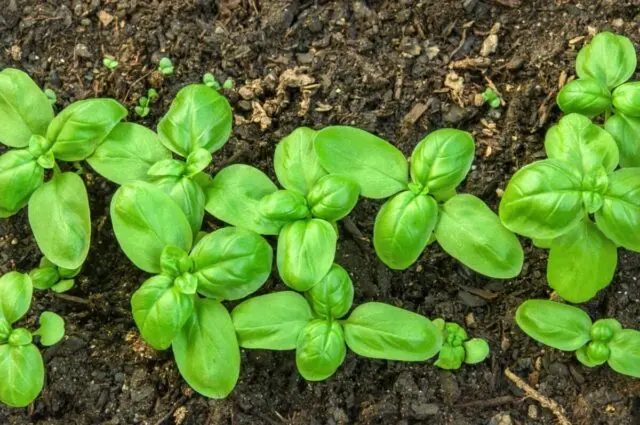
(387, 67)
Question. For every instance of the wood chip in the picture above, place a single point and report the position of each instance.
(105, 18)
(479, 62)
(414, 114)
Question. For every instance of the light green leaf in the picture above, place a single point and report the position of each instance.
(442, 160)
(450, 357)
(619, 218)
(471, 233)
(44, 277)
(585, 96)
(382, 331)
(557, 325)
(51, 328)
(542, 200)
(20, 176)
(145, 220)
(60, 219)
(333, 197)
(306, 250)
(21, 374)
(332, 297)
(582, 144)
(374, 164)
(626, 132)
(207, 352)
(16, 290)
(78, 130)
(403, 227)
(188, 195)
(197, 161)
(284, 205)
(199, 117)
(63, 286)
(295, 161)
(168, 168)
(593, 354)
(127, 154)
(271, 321)
(604, 330)
(625, 353)
(626, 99)
(581, 262)
(160, 310)
(231, 263)
(24, 109)
(609, 58)
(476, 350)
(234, 196)
(320, 350)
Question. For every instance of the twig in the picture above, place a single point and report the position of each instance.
(544, 401)
(505, 399)
(177, 404)
(126, 96)
(356, 234)
(72, 298)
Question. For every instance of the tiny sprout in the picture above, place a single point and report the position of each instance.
(165, 66)
(491, 98)
(110, 62)
(228, 84)
(142, 110)
(51, 95)
(210, 81)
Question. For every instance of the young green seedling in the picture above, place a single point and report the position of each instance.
(181, 305)
(457, 348)
(210, 81)
(569, 328)
(303, 215)
(142, 110)
(576, 204)
(22, 368)
(50, 276)
(51, 95)
(491, 98)
(58, 208)
(165, 66)
(197, 124)
(427, 207)
(110, 63)
(603, 67)
(228, 84)
(315, 327)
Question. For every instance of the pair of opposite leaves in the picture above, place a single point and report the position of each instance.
(463, 225)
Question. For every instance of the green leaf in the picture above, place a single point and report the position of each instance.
(60, 219)
(626, 99)
(78, 130)
(585, 96)
(231, 263)
(295, 161)
(145, 220)
(197, 161)
(284, 205)
(320, 350)
(188, 195)
(44, 277)
(582, 144)
(24, 109)
(403, 227)
(379, 168)
(581, 262)
(593, 354)
(199, 117)
(306, 250)
(5, 330)
(127, 154)
(471, 233)
(160, 310)
(51, 328)
(21, 374)
(441, 161)
(382, 331)
(626, 132)
(476, 350)
(625, 353)
(619, 217)
(557, 325)
(234, 196)
(63, 286)
(207, 352)
(20, 176)
(609, 58)
(542, 200)
(272, 321)
(332, 297)
(333, 197)
(604, 330)
(450, 357)
(168, 168)
(175, 261)
(16, 290)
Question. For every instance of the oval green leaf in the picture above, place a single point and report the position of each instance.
(333, 197)
(585, 96)
(284, 205)
(16, 290)
(188, 195)
(320, 350)
(476, 350)
(625, 353)
(295, 161)
(332, 297)
(20, 176)
(626, 99)
(609, 58)
(51, 328)
(626, 132)
(21, 374)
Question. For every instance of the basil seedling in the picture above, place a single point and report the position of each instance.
(165, 66)
(181, 305)
(50, 276)
(569, 328)
(142, 110)
(427, 207)
(110, 63)
(58, 208)
(457, 348)
(22, 371)
(303, 215)
(315, 329)
(604, 66)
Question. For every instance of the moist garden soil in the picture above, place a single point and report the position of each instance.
(398, 68)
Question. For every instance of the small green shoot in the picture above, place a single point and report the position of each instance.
(165, 67)
(109, 62)
(228, 84)
(491, 98)
(210, 81)
(142, 110)
(51, 95)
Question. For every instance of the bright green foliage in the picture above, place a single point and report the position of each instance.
(210, 81)
(608, 58)
(165, 66)
(50, 276)
(332, 297)
(427, 205)
(22, 371)
(142, 110)
(20, 176)
(569, 328)
(228, 84)
(110, 63)
(457, 348)
(587, 96)
(51, 95)
(296, 164)
(491, 98)
(320, 350)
